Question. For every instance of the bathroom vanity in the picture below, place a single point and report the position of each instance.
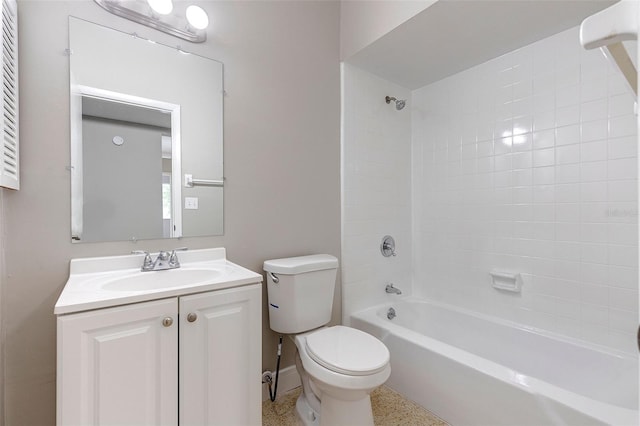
(180, 346)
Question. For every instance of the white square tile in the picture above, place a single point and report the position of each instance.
(595, 314)
(544, 120)
(594, 253)
(569, 173)
(624, 190)
(594, 171)
(568, 135)
(544, 194)
(622, 126)
(543, 157)
(594, 110)
(567, 193)
(521, 160)
(544, 139)
(568, 95)
(625, 321)
(567, 154)
(593, 232)
(623, 277)
(625, 168)
(569, 231)
(523, 177)
(568, 212)
(568, 115)
(593, 88)
(502, 145)
(621, 105)
(544, 212)
(593, 191)
(593, 212)
(594, 130)
(623, 147)
(502, 162)
(594, 273)
(544, 175)
(622, 298)
(623, 233)
(623, 255)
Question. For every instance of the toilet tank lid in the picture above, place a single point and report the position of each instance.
(300, 264)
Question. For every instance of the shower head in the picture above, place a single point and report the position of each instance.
(400, 103)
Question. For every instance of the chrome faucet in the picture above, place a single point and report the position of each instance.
(391, 289)
(165, 260)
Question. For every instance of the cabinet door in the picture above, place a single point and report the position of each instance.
(119, 366)
(220, 357)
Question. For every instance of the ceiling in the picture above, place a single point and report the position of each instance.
(453, 35)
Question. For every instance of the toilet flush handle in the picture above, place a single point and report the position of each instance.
(274, 277)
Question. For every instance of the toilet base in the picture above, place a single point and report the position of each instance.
(335, 412)
(306, 414)
(338, 412)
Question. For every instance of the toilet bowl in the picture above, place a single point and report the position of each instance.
(342, 366)
(339, 366)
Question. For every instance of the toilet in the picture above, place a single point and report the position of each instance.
(339, 366)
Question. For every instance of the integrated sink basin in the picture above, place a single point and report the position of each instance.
(154, 280)
(101, 282)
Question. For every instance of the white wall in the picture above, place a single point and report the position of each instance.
(376, 181)
(281, 153)
(528, 163)
(363, 22)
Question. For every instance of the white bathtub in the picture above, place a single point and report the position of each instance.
(471, 369)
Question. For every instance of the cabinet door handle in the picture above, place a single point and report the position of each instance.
(167, 321)
(191, 317)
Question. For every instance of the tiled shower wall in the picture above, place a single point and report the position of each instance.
(376, 189)
(528, 163)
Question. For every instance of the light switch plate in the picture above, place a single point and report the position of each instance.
(191, 203)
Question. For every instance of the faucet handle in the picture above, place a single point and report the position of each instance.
(147, 263)
(173, 259)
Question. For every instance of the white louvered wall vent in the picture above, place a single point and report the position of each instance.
(9, 151)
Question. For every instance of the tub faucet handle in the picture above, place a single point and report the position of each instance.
(391, 289)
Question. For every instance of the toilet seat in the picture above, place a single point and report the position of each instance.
(347, 351)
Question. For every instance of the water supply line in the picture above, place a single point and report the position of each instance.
(272, 396)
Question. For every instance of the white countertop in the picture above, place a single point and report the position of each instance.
(86, 289)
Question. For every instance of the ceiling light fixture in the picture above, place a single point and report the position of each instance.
(197, 17)
(163, 7)
(189, 24)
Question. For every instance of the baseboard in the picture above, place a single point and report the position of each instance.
(288, 379)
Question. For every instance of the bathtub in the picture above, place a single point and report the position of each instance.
(471, 369)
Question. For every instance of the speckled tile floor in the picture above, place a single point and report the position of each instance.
(389, 409)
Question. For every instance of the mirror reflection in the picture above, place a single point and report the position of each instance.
(146, 138)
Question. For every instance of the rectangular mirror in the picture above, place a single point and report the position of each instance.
(146, 138)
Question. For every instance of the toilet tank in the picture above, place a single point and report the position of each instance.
(300, 291)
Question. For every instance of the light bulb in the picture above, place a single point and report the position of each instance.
(163, 7)
(197, 17)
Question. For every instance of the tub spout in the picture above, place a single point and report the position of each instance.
(391, 289)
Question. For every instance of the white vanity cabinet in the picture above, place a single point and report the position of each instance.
(221, 357)
(187, 360)
(119, 365)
